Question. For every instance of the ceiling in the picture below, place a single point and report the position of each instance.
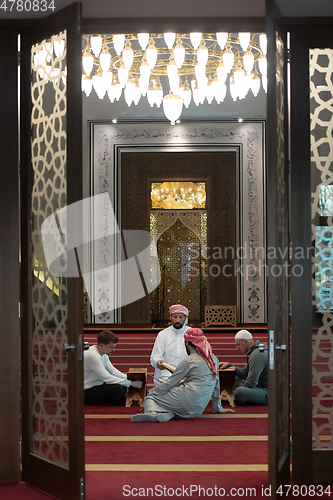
(185, 8)
(250, 107)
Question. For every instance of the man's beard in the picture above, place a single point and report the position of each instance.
(177, 325)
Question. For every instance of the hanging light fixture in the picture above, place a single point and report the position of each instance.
(172, 107)
(87, 62)
(96, 44)
(105, 58)
(195, 38)
(179, 53)
(196, 66)
(118, 43)
(222, 38)
(99, 83)
(128, 55)
(169, 39)
(244, 40)
(202, 53)
(143, 39)
(151, 53)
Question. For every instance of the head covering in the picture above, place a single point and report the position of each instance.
(199, 339)
(178, 308)
(243, 335)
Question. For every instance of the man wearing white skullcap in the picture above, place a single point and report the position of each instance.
(169, 344)
(251, 382)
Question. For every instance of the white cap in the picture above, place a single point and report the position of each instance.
(243, 335)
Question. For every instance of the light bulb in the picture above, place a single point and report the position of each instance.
(222, 38)
(151, 53)
(122, 74)
(263, 43)
(96, 44)
(105, 58)
(255, 84)
(118, 43)
(202, 53)
(179, 53)
(128, 55)
(169, 39)
(187, 94)
(87, 62)
(228, 58)
(244, 40)
(172, 107)
(248, 61)
(87, 85)
(195, 38)
(262, 63)
(143, 39)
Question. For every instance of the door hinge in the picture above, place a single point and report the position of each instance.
(290, 308)
(20, 449)
(82, 488)
(20, 310)
(290, 448)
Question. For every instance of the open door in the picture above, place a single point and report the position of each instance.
(52, 306)
(278, 255)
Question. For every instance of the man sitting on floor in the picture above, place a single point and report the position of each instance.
(103, 383)
(188, 390)
(169, 344)
(251, 383)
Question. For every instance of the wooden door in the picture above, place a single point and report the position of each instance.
(278, 243)
(52, 306)
(311, 216)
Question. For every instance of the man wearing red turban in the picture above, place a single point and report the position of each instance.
(187, 392)
(169, 344)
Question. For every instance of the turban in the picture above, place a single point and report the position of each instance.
(199, 339)
(178, 308)
(243, 335)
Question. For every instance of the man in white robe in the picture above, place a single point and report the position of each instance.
(169, 345)
(188, 390)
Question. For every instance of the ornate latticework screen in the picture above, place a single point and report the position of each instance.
(49, 297)
(321, 99)
(181, 236)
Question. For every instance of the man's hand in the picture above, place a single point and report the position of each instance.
(137, 384)
(224, 365)
(159, 364)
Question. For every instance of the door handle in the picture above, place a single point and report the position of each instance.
(282, 347)
(68, 347)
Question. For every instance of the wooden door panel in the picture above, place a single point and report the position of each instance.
(278, 238)
(52, 378)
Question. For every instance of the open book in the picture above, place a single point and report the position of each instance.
(171, 368)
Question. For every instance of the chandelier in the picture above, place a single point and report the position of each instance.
(178, 195)
(174, 68)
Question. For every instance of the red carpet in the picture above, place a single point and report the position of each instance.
(207, 456)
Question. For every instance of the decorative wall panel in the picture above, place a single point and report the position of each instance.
(321, 100)
(49, 297)
(108, 143)
(216, 169)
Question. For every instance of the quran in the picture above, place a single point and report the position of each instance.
(171, 368)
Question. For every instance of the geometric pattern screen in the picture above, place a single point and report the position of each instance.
(321, 99)
(49, 296)
(180, 236)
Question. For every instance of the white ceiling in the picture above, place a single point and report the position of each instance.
(184, 8)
